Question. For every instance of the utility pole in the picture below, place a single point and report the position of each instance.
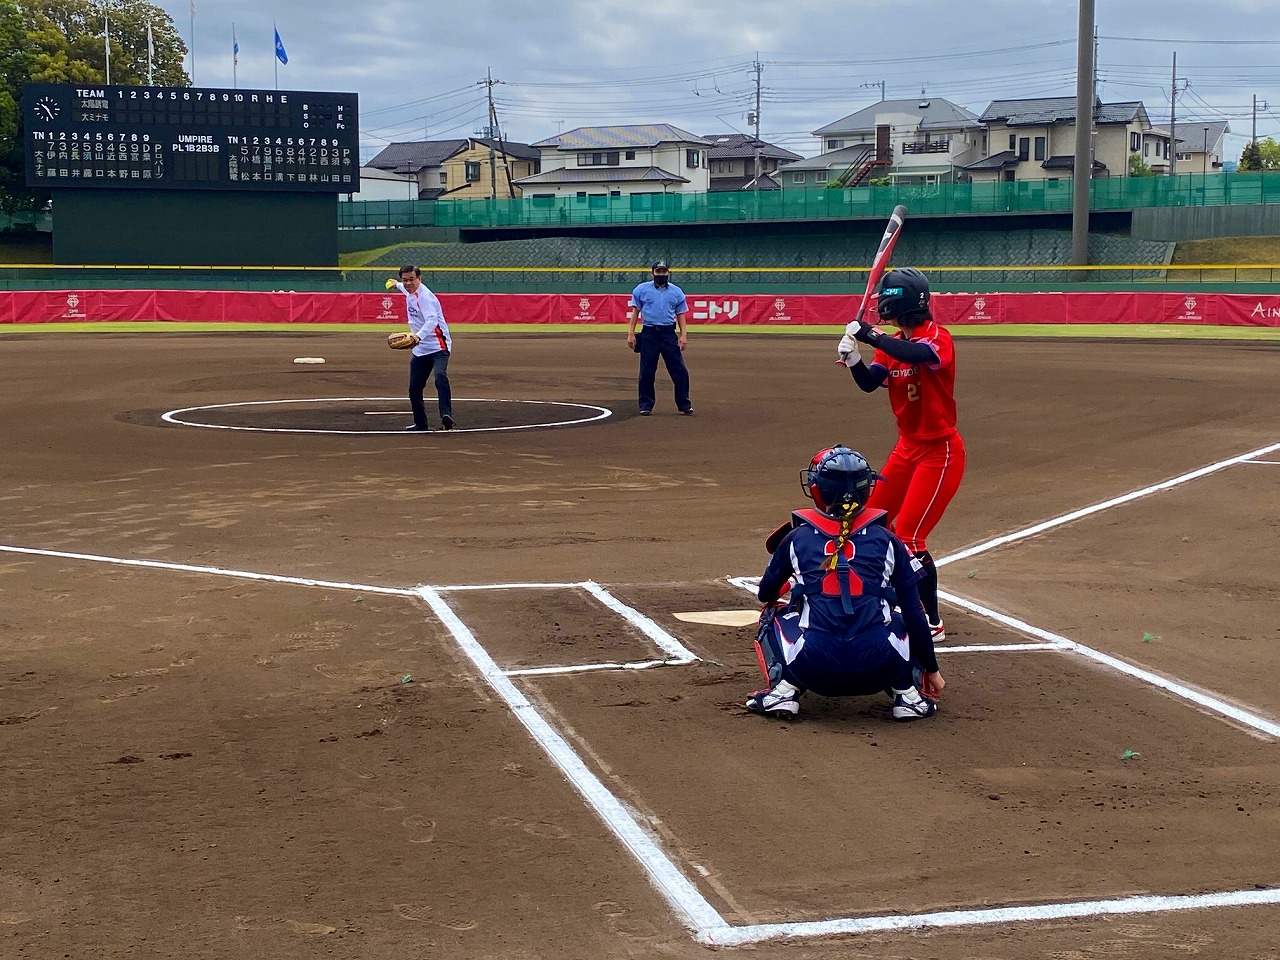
(758, 69)
(1173, 118)
(1083, 163)
(876, 83)
(1254, 138)
(489, 82)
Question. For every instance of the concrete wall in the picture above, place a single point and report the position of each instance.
(1203, 223)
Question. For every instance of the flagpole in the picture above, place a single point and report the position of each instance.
(235, 56)
(106, 37)
(193, 42)
(275, 59)
(151, 55)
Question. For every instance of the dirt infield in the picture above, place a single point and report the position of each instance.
(235, 723)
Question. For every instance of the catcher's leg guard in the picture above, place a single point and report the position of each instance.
(775, 631)
(769, 646)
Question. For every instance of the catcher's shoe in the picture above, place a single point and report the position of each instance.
(447, 421)
(782, 700)
(910, 705)
(938, 631)
(413, 427)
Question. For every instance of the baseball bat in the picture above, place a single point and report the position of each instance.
(892, 230)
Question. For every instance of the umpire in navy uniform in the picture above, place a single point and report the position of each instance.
(661, 306)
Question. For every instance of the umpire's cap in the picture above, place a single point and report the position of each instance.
(660, 265)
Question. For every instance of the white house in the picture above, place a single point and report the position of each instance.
(1034, 139)
(594, 163)
(917, 141)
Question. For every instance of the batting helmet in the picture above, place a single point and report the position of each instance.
(903, 292)
(838, 480)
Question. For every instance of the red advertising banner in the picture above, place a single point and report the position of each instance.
(1258, 311)
(218, 306)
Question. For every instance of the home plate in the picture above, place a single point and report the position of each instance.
(721, 618)
(308, 359)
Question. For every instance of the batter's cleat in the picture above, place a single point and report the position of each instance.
(416, 428)
(910, 705)
(939, 632)
(447, 421)
(782, 700)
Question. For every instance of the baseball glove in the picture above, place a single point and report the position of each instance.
(402, 340)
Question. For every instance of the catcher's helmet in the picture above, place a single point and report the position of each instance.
(902, 292)
(838, 480)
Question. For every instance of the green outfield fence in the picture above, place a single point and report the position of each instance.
(1022, 196)
(1218, 278)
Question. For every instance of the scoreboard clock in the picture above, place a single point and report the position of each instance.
(190, 138)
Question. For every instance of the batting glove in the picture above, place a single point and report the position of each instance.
(848, 350)
(862, 331)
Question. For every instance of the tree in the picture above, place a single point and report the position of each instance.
(1262, 155)
(14, 70)
(61, 41)
(67, 46)
(1139, 167)
(1250, 158)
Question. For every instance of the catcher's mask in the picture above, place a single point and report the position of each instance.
(839, 481)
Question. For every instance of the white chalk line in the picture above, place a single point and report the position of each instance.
(665, 641)
(676, 889)
(727, 935)
(216, 571)
(1210, 703)
(677, 653)
(173, 416)
(751, 583)
(1105, 505)
(590, 667)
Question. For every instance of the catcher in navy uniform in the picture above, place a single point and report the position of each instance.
(853, 624)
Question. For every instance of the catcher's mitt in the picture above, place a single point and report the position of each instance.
(402, 340)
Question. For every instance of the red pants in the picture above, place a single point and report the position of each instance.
(919, 481)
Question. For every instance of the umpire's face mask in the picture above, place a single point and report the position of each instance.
(661, 279)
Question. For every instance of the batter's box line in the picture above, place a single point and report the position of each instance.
(677, 654)
(727, 935)
(1056, 642)
(697, 913)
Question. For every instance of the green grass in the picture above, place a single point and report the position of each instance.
(1234, 250)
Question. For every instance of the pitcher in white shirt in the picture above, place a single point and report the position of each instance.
(431, 355)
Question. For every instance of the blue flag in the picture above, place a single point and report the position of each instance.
(280, 54)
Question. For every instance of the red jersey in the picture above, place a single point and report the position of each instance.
(923, 396)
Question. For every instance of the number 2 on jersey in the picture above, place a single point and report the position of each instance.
(831, 582)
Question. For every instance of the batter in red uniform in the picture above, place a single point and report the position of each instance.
(918, 366)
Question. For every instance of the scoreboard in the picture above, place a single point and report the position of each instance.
(190, 138)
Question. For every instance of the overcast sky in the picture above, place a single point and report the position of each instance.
(418, 69)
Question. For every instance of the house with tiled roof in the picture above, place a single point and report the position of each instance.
(922, 140)
(1200, 146)
(1034, 139)
(734, 164)
(467, 168)
(592, 164)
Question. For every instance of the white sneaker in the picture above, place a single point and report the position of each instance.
(782, 699)
(910, 705)
(939, 632)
